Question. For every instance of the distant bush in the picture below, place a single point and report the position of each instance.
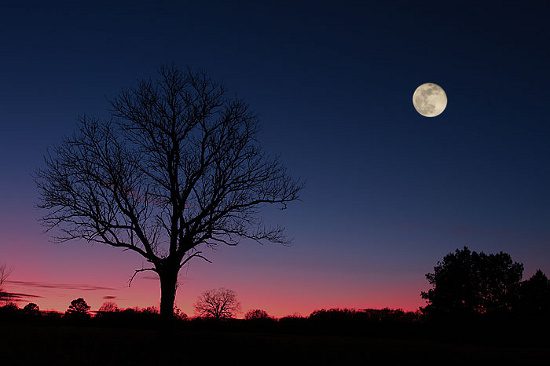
(257, 314)
(385, 315)
(108, 307)
(150, 310)
(11, 309)
(179, 314)
(52, 316)
(333, 314)
(31, 309)
(533, 297)
(130, 317)
(293, 321)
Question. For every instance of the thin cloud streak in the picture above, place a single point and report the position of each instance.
(17, 296)
(62, 286)
(149, 278)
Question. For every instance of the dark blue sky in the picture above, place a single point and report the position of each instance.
(388, 192)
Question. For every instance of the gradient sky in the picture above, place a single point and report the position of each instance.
(388, 192)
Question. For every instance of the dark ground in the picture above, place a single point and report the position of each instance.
(26, 344)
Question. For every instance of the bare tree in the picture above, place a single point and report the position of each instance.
(108, 307)
(256, 314)
(177, 167)
(4, 273)
(218, 304)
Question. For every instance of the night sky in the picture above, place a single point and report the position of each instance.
(388, 192)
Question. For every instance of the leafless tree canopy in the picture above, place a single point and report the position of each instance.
(177, 166)
(4, 273)
(218, 304)
(108, 307)
(256, 314)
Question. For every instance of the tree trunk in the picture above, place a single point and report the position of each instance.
(168, 284)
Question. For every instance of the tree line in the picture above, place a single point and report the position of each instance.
(467, 284)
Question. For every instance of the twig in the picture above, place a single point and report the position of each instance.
(138, 271)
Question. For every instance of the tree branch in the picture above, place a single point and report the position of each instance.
(138, 271)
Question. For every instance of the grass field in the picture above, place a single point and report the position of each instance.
(26, 344)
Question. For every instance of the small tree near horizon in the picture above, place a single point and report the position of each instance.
(152, 310)
(256, 314)
(78, 309)
(4, 273)
(217, 304)
(176, 168)
(533, 299)
(180, 314)
(108, 307)
(31, 309)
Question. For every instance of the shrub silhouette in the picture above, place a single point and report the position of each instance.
(108, 307)
(179, 314)
(9, 310)
(129, 317)
(333, 315)
(373, 321)
(31, 309)
(533, 298)
(256, 314)
(152, 310)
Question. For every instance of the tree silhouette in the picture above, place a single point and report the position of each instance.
(534, 296)
(179, 314)
(78, 309)
(177, 167)
(466, 283)
(31, 309)
(108, 307)
(217, 304)
(256, 314)
(4, 273)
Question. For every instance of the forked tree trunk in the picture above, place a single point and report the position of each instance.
(168, 284)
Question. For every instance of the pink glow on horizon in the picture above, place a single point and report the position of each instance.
(279, 295)
(292, 300)
(265, 277)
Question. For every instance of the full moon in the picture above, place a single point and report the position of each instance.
(429, 100)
